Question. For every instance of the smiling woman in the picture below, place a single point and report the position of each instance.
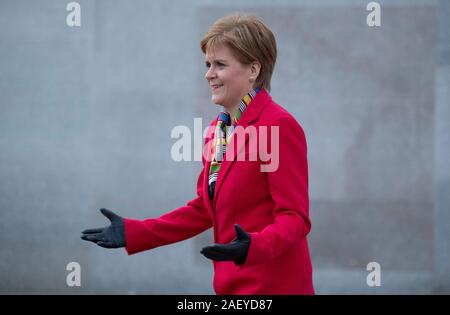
(229, 78)
(238, 58)
(260, 218)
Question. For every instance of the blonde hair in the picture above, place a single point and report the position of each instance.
(250, 40)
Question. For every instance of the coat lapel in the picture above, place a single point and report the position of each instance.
(250, 115)
(207, 152)
(206, 199)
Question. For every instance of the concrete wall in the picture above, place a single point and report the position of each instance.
(86, 115)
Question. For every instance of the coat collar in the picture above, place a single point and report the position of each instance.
(254, 109)
(249, 116)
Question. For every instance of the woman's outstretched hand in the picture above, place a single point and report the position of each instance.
(112, 236)
(235, 251)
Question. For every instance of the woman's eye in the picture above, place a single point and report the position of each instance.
(221, 65)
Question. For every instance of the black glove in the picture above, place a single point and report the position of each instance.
(236, 251)
(112, 236)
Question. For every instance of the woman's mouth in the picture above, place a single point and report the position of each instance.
(216, 86)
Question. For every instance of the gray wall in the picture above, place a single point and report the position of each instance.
(86, 115)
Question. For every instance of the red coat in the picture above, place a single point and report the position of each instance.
(273, 207)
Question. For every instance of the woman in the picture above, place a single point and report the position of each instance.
(260, 216)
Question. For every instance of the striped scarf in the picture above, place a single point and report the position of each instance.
(222, 137)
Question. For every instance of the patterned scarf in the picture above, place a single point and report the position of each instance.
(222, 137)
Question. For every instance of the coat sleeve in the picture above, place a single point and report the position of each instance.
(288, 184)
(177, 225)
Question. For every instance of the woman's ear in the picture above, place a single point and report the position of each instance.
(255, 68)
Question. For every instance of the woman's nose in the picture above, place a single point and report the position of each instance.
(210, 74)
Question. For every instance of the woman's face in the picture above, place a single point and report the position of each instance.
(228, 78)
